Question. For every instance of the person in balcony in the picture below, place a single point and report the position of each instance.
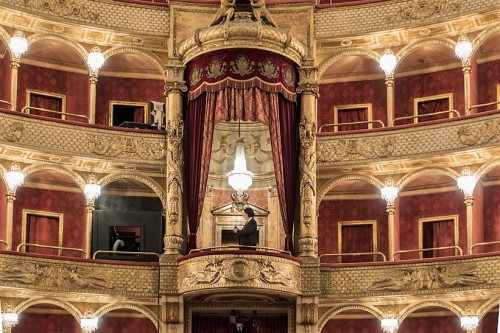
(248, 235)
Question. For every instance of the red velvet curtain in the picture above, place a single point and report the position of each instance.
(139, 114)
(436, 105)
(213, 324)
(42, 230)
(46, 102)
(438, 234)
(350, 116)
(356, 239)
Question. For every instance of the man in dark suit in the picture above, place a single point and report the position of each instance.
(248, 234)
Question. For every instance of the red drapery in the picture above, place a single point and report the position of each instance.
(139, 114)
(42, 230)
(46, 102)
(214, 324)
(350, 116)
(438, 234)
(250, 99)
(357, 239)
(432, 106)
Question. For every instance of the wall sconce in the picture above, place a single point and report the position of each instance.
(466, 182)
(9, 320)
(89, 325)
(389, 192)
(18, 44)
(463, 48)
(388, 62)
(92, 190)
(95, 59)
(14, 177)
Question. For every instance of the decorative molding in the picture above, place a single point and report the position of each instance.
(307, 167)
(308, 247)
(139, 308)
(355, 149)
(479, 134)
(116, 146)
(12, 131)
(64, 8)
(175, 162)
(423, 10)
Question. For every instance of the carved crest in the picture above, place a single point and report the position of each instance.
(242, 66)
(216, 69)
(196, 75)
(268, 69)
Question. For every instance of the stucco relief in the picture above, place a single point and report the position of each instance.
(307, 165)
(124, 147)
(432, 277)
(175, 157)
(63, 8)
(476, 135)
(12, 131)
(353, 149)
(424, 9)
(240, 270)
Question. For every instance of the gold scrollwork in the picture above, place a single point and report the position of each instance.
(353, 149)
(476, 135)
(307, 165)
(216, 69)
(12, 132)
(242, 65)
(175, 157)
(268, 69)
(124, 147)
(424, 9)
(64, 8)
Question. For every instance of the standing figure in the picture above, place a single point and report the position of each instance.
(261, 13)
(248, 235)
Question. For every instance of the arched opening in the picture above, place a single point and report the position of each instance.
(128, 84)
(49, 211)
(488, 67)
(352, 219)
(431, 319)
(127, 218)
(126, 321)
(46, 318)
(352, 320)
(352, 90)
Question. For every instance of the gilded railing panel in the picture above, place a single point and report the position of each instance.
(66, 139)
(410, 142)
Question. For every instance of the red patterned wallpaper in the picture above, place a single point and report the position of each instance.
(489, 323)
(492, 215)
(74, 86)
(333, 211)
(5, 81)
(478, 214)
(129, 90)
(47, 323)
(412, 208)
(352, 326)
(111, 324)
(72, 205)
(445, 324)
(359, 92)
(488, 77)
(410, 87)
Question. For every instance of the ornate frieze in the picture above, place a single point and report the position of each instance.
(230, 270)
(106, 145)
(175, 158)
(11, 131)
(424, 9)
(479, 134)
(354, 149)
(64, 8)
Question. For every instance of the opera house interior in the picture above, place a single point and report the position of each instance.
(363, 134)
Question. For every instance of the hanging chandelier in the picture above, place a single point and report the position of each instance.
(240, 179)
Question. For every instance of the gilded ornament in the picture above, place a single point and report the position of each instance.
(353, 149)
(117, 146)
(480, 134)
(63, 8)
(308, 247)
(268, 69)
(216, 69)
(173, 244)
(242, 66)
(424, 9)
(12, 132)
(288, 76)
(196, 76)
(175, 157)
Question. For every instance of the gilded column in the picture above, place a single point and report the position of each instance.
(469, 201)
(307, 314)
(89, 209)
(11, 197)
(14, 66)
(172, 315)
(391, 210)
(92, 97)
(466, 69)
(174, 88)
(308, 233)
(389, 83)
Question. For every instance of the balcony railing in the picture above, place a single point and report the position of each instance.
(59, 248)
(457, 248)
(425, 115)
(352, 123)
(483, 244)
(483, 105)
(129, 253)
(5, 243)
(63, 115)
(239, 247)
(353, 254)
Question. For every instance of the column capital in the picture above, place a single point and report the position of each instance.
(15, 63)
(89, 207)
(469, 200)
(93, 78)
(308, 247)
(389, 81)
(308, 84)
(466, 68)
(173, 244)
(11, 196)
(390, 209)
(174, 74)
